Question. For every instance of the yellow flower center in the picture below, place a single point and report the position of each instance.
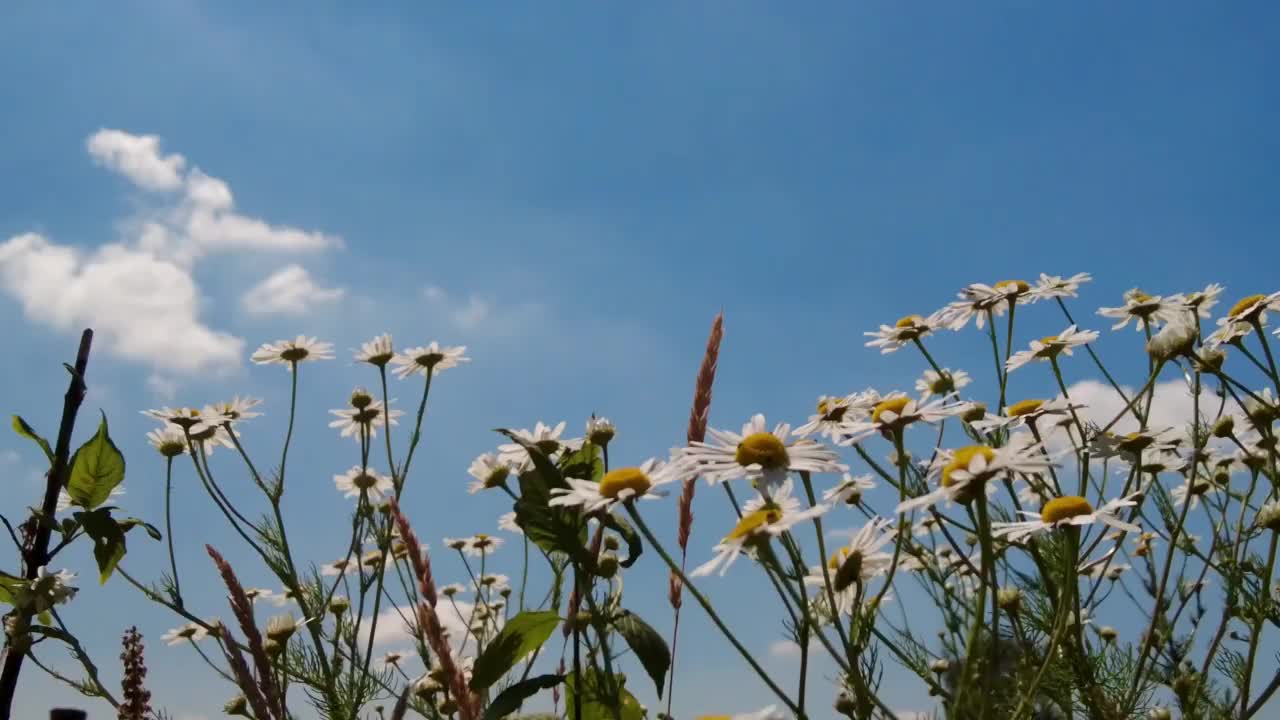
(628, 478)
(1136, 441)
(1023, 407)
(1139, 296)
(894, 405)
(832, 409)
(837, 558)
(1245, 304)
(753, 522)
(909, 321)
(1019, 286)
(961, 458)
(763, 449)
(1065, 507)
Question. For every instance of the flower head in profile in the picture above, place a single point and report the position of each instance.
(1066, 511)
(1027, 412)
(231, 411)
(1133, 447)
(849, 490)
(600, 430)
(834, 412)
(507, 522)
(619, 485)
(942, 383)
(858, 560)
(428, 359)
(1192, 490)
(1054, 286)
(1144, 309)
(1050, 347)
(377, 352)
(762, 518)
(894, 413)
(344, 566)
(489, 472)
(963, 473)
(394, 658)
(757, 453)
(545, 437)
(1201, 301)
(191, 632)
(979, 300)
(356, 482)
(1243, 316)
(363, 416)
(909, 328)
(169, 441)
(481, 544)
(185, 418)
(291, 352)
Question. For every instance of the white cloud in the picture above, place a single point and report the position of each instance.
(138, 158)
(140, 293)
(1173, 405)
(141, 307)
(165, 388)
(476, 314)
(288, 291)
(10, 457)
(785, 649)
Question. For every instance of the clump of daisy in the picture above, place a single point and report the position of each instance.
(377, 352)
(291, 352)
(1070, 510)
(1050, 347)
(620, 485)
(428, 359)
(367, 481)
(762, 518)
(757, 453)
(1146, 310)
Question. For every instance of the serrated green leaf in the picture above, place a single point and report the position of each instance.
(108, 540)
(509, 700)
(649, 646)
(24, 429)
(523, 634)
(96, 469)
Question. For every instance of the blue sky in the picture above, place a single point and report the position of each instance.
(573, 192)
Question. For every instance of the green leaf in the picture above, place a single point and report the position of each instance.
(128, 524)
(509, 700)
(96, 469)
(620, 525)
(550, 473)
(108, 539)
(21, 427)
(10, 587)
(595, 699)
(647, 644)
(585, 463)
(523, 634)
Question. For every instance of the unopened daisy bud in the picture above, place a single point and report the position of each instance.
(600, 430)
(607, 565)
(360, 399)
(1224, 427)
(1009, 599)
(273, 648)
(339, 605)
(1108, 633)
(505, 591)
(940, 666)
(1174, 340)
(1209, 360)
(970, 539)
(237, 705)
(611, 542)
(281, 627)
(456, 543)
(844, 704)
(1269, 516)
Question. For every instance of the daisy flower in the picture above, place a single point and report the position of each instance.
(768, 713)
(757, 453)
(1070, 510)
(762, 518)
(1026, 412)
(1193, 491)
(1269, 516)
(255, 594)
(890, 338)
(489, 472)
(1201, 301)
(944, 383)
(860, 559)
(1053, 286)
(507, 522)
(169, 441)
(364, 417)
(231, 411)
(356, 482)
(452, 589)
(894, 413)
(849, 490)
(545, 437)
(286, 596)
(187, 418)
(393, 658)
(377, 352)
(834, 412)
(978, 299)
(964, 472)
(1050, 347)
(428, 359)
(49, 589)
(291, 352)
(1144, 309)
(345, 566)
(496, 582)
(189, 632)
(620, 485)
(1131, 446)
(480, 544)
